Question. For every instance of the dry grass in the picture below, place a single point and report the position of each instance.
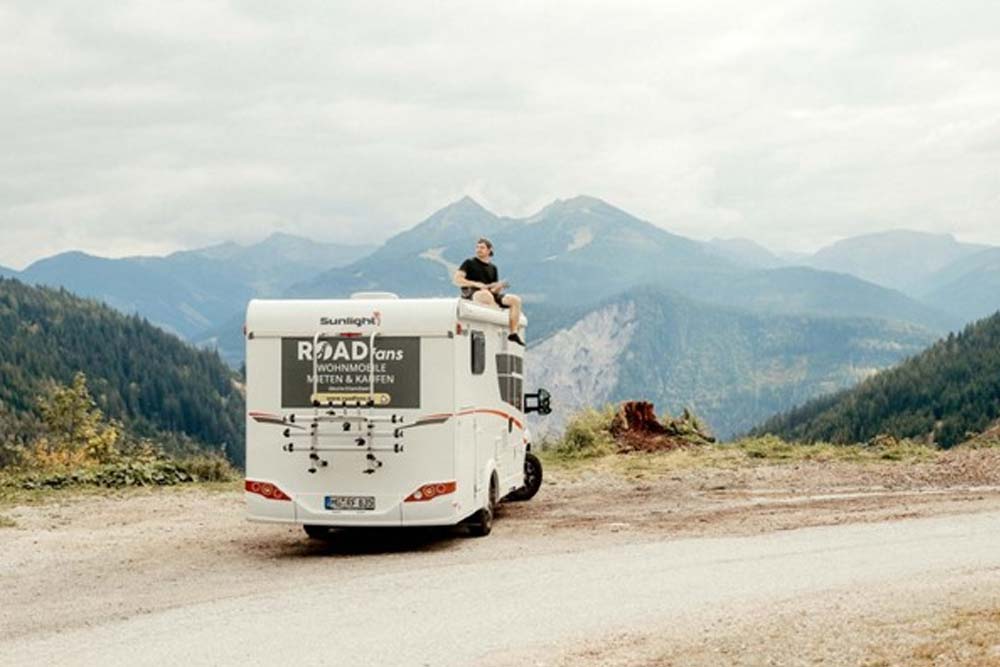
(12, 495)
(745, 453)
(965, 639)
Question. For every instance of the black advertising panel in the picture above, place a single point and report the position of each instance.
(342, 366)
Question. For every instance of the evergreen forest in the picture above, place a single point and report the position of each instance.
(943, 395)
(159, 388)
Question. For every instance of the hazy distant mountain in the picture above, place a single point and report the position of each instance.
(7, 273)
(745, 253)
(453, 228)
(793, 257)
(943, 394)
(582, 249)
(191, 291)
(969, 288)
(280, 260)
(181, 296)
(226, 338)
(792, 290)
(899, 259)
(731, 366)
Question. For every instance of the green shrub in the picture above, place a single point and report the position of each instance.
(134, 472)
(587, 435)
(768, 447)
(209, 468)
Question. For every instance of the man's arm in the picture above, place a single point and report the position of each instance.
(461, 281)
(497, 285)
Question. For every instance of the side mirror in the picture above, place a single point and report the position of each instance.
(538, 402)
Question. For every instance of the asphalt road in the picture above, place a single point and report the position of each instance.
(467, 613)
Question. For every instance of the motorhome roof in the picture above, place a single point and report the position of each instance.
(277, 317)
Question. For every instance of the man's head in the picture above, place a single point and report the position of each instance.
(484, 249)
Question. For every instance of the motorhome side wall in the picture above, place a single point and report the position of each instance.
(490, 431)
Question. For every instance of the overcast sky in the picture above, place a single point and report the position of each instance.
(148, 127)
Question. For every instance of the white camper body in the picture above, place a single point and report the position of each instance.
(419, 433)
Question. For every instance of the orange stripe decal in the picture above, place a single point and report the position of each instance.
(489, 411)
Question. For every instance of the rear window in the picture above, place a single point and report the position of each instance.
(478, 342)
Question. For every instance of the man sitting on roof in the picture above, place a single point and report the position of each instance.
(480, 283)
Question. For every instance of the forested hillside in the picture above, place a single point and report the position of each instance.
(945, 393)
(158, 386)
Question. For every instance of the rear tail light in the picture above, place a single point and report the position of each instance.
(430, 492)
(265, 489)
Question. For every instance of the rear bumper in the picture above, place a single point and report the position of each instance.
(441, 511)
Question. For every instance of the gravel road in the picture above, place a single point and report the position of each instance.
(467, 613)
(708, 562)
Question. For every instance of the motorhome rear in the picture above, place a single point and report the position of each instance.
(379, 411)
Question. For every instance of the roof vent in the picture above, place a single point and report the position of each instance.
(374, 296)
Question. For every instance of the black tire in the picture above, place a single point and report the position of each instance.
(317, 532)
(532, 479)
(481, 523)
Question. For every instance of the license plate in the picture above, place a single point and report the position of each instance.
(350, 502)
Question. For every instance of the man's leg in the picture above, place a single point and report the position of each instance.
(484, 297)
(513, 302)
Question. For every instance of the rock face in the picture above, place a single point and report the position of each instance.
(636, 428)
(580, 365)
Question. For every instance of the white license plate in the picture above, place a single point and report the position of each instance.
(350, 502)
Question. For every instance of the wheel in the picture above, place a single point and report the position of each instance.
(481, 523)
(317, 532)
(532, 479)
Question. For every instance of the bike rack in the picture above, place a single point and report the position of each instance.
(358, 426)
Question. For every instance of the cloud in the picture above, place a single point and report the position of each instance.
(132, 127)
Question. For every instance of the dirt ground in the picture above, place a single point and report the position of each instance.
(80, 560)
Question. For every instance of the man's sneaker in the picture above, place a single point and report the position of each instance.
(516, 339)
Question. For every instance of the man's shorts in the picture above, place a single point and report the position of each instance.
(467, 293)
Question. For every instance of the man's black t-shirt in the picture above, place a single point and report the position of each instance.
(479, 271)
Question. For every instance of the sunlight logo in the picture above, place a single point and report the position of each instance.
(375, 320)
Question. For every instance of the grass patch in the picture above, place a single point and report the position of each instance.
(7, 522)
(13, 496)
(964, 638)
(748, 452)
(33, 485)
(590, 442)
(587, 436)
(773, 449)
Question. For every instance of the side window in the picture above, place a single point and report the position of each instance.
(478, 352)
(510, 374)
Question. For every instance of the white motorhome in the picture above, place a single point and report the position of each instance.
(380, 411)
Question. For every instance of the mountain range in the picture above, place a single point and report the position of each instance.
(583, 250)
(575, 258)
(960, 281)
(901, 259)
(190, 292)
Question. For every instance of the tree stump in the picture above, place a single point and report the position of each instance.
(636, 417)
(636, 428)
